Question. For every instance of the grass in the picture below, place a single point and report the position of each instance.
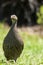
(32, 53)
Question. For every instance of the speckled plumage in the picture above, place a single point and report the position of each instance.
(13, 44)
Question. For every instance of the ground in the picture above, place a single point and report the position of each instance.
(33, 48)
(38, 30)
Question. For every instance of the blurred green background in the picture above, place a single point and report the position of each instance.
(40, 15)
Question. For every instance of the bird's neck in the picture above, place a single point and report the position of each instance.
(15, 24)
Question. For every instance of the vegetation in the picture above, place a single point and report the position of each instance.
(32, 53)
(40, 15)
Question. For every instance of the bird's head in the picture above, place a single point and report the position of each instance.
(14, 18)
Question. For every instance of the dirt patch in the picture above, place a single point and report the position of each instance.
(37, 30)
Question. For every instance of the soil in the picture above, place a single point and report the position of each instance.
(37, 30)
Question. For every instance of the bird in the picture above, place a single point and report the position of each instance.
(13, 44)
